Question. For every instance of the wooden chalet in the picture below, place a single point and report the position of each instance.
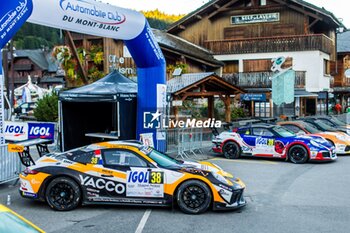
(38, 64)
(247, 34)
(342, 78)
(177, 51)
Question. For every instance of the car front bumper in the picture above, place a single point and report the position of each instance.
(236, 201)
(325, 156)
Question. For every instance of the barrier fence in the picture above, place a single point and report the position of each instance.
(187, 142)
(10, 165)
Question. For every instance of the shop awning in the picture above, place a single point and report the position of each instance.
(303, 93)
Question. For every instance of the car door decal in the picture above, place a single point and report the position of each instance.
(264, 146)
(143, 182)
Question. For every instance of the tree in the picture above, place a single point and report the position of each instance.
(47, 108)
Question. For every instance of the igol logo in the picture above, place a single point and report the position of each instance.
(89, 9)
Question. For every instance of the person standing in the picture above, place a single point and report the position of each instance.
(338, 108)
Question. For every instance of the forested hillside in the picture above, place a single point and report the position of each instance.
(160, 20)
(32, 36)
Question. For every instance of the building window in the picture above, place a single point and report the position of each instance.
(262, 2)
(262, 109)
(326, 67)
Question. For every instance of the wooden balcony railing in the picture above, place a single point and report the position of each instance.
(341, 82)
(260, 79)
(272, 44)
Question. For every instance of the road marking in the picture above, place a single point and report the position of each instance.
(143, 221)
(243, 161)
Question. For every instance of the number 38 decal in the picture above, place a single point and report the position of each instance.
(156, 177)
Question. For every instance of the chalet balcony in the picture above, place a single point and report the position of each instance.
(260, 79)
(272, 44)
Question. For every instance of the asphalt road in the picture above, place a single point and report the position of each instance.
(282, 198)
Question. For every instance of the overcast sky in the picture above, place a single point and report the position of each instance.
(339, 7)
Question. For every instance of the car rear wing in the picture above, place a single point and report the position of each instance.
(23, 149)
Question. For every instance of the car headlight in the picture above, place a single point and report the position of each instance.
(220, 178)
(314, 143)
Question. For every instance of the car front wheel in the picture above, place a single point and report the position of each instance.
(63, 194)
(298, 154)
(193, 197)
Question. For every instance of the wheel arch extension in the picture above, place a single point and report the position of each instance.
(223, 144)
(193, 179)
(47, 181)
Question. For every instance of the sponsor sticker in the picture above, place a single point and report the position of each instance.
(145, 183)
(33, 195)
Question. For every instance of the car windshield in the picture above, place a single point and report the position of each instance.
(283, 132)
(160, 158)
(328, 122)
(12, 223)
(323, 125)
(337, 121)
(310, 128)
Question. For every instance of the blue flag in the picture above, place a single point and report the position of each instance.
(13, 14)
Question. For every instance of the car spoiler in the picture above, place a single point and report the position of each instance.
(23, 149)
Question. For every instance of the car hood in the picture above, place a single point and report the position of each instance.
(336, 137)
(207, 166)
(318, 139)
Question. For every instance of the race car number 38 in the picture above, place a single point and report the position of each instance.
(156, 177)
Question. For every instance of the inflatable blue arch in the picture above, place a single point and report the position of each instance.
(100, 19)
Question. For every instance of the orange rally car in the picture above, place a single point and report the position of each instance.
(340, 140)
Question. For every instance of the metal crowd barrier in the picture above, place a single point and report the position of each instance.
(10, 165)
(187, 142)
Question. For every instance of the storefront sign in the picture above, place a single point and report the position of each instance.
(20, 131)
(256, 18)
(253, 97)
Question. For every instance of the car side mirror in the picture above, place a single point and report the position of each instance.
(301, 133)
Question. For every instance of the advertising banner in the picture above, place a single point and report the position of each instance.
(20, 131)
(2, 107)
(88, 17)
(41, 130)
(13, 14)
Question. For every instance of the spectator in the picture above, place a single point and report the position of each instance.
(338, 108)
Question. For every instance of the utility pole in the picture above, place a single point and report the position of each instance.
(11, 77)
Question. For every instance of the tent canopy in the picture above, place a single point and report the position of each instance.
(105, 89)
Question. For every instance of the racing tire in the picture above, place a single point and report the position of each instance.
(63, 194)
(231, 150)
(193, 197)
(298, 154)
